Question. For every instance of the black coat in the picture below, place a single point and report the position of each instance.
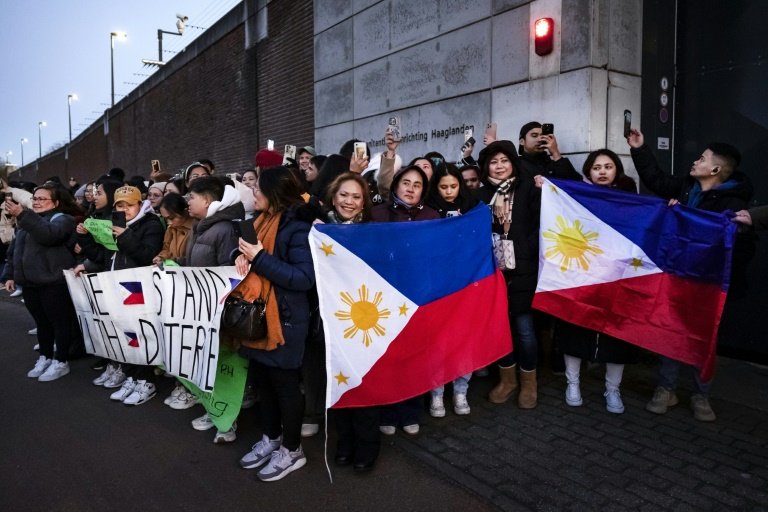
(524, 233)
(42, 248)
(139, 243)
(542, 164)
(732, 198)
(292, 274)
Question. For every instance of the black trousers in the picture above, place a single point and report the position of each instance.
(313, 375)
(358, 431)
(51, 307)
(282, 404)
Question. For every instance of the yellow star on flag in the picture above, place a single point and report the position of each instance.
(341, 379)
(403, 310)
(327, 249)
(553, 188)
(636, 263)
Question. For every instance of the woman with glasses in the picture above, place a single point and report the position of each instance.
(40, 252)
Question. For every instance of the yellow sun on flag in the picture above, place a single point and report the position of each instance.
(364, 314)
(570, 244)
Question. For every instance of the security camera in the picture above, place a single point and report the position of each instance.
(180, 22)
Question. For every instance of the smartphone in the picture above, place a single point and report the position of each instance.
(236, 227)
(627, 122)
(360, 150)
(547, 129)
(393, 127)
(468, 134)
(289, 153)
(270, 144)
(156, 166)
(118, 219)
(469, 142)
(490, 130)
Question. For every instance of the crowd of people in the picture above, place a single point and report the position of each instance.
(258, 220)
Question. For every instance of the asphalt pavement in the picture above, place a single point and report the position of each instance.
(66, 446)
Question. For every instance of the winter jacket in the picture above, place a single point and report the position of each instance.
(542, 164)
(213, 238)
(292, 274)
(524, 233)
(42, 248)
(175, 241)
(139, 243)
(391, 212)
(734, 195)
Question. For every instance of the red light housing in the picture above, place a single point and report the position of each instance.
(544, 36)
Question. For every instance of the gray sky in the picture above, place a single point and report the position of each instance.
(49, 49)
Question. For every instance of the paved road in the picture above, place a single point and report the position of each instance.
(65, 446)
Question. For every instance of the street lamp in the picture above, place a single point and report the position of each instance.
(40, 125)
(8, 157)
(24, 140)
(70, 97)
(112, 36)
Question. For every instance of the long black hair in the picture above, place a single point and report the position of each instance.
(281, 188)
(465, 200)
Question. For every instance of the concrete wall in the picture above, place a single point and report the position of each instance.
(444, 64)
(237, 85)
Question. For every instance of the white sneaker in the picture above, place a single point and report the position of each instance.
(411, 429)
(260, 452)
(32, 332)
(105, 376)
(460, 404)
(41, 365)
(125, 390)
(143, 392)
(117, 379)
(281, 464)
(185, 400)
(309, 429)
(436, 407)
(16, 293)
(387, 430)
(174, 394)
(55, 370)
(36, 347)
(204, 422)
(226, 437)
(573, 394)
(613, 402)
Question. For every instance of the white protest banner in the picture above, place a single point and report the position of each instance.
(147, 316)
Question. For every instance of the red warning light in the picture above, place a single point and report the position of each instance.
(544, 36)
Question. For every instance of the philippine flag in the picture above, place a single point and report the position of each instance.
(133, 340)
(634, 268)
(135, 293)
(407, 306)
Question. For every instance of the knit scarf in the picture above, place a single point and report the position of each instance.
(502, 201)
(253, 285)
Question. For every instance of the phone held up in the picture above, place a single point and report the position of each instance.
(289, 153)
(490, 130)
(236, 227)
(547, 129)
(156, 166)
(393, 128)
(627, 122)
(118, 219)
(360, 149)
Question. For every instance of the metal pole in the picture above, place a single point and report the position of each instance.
(22, 152)
(40, 139)
(69, 113)
(160, 45)
(112, 63)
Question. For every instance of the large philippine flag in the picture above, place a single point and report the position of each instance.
(634, 268)
(407, 306)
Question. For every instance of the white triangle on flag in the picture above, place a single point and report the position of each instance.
(576, 248)
(351, 295)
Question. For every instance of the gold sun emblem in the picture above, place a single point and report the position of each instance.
(365, 315)
(570, 244)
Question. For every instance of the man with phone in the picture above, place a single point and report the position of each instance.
(540, 155)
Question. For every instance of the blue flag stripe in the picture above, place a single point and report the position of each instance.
(420, 259)
(682, 241)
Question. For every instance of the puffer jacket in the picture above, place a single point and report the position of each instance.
(42, 248)
(213, 238)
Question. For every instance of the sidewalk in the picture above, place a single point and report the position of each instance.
(65, 447)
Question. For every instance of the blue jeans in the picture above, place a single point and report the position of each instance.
(669, 371)
(526, 348)
(460, 386)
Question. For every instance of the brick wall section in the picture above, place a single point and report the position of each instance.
(205, 105)
(286, 75)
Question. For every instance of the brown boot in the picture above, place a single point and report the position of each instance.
(527, 398)
(506, 386)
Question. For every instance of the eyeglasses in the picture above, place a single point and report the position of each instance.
(41, 199)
